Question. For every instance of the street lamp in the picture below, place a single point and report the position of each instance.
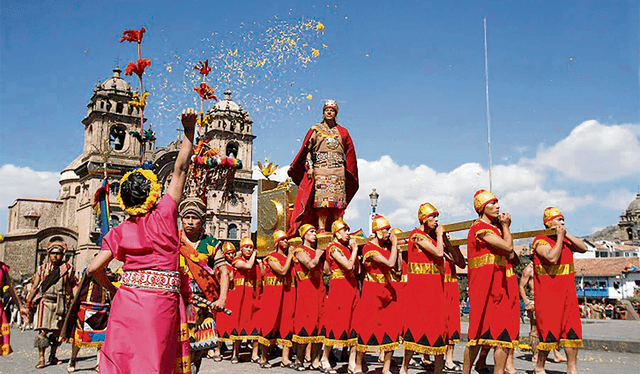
(584, 292)
(373, 199)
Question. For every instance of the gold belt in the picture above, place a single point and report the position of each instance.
(377, 278)
(488, 259)
(510, 272)
(302, 275)
(339, 274)
(450, 278)
(245, 282)
(272, 281)
(562, 269)
(421, 268)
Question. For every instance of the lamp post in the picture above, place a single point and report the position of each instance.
(373, 199)
(584, 292)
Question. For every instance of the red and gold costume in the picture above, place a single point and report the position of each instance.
(331, 154)
(285, 328)
(556, 302)
(340, 304)
(309, 301)
(452, 295)
(271, 301)
(492, 319)
(225, 324)
(376, 315)
(425, 311)
(247, 284)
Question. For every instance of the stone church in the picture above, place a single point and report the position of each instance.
(108, 144)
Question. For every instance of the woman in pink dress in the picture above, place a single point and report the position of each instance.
(146, 332)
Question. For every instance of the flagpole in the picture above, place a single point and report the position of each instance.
(486, 74)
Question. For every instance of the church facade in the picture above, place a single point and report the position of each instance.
(110, 147)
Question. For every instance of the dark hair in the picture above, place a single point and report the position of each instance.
(135, 190)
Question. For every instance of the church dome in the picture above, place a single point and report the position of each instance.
(226, 104)
(116, 83)
(635, 205)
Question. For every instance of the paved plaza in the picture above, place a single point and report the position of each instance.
(601, 360)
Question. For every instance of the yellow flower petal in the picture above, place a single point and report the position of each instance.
(315, 52)
(319, 26)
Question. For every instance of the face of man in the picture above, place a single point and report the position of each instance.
(432, 221)
(383, 234)
(283, 244)
(56, 256)
(558, 221)
(230, 255)
(343, 235)
(191, 223)
(492, 210)
(247, 251)
(311, 236)
(329, 114)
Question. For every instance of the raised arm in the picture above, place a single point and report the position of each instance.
(453, 253)
(305, 260)
(246, 265)
(181, 166)
(577, 245)
(504, 244)
(342, 260)
(281, 269)
(426, 245)
(391, 262)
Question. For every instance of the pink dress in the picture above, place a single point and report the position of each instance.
(144, 329)
(5, 346)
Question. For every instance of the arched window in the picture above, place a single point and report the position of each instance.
(116, 137)
(232, 149)
(232, 231)
(119, 107)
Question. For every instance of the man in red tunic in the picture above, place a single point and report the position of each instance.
(493, 322)
(556, 302)
(326, 172)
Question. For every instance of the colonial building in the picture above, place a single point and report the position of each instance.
(630, 221)
(108, 142)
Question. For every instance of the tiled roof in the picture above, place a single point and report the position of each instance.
(604, 266)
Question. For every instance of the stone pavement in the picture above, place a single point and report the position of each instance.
(598, 334)
(600, 361)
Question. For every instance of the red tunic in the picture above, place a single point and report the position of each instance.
(401, 288)
(285, 334)
(452, 293)
(556, 302)
(425, 311)
(341, 302)
(310, 296)
(271, 299)
(248, 284)
(226, 325)
(492, 319)
(376, 315)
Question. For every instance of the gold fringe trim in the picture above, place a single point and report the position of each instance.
(547, 346)
(490, 343)
(267, 342)
(226, 340)
(244, 338)
(377, 348)
(571, 343)
(411, 346)
(341, 343)
(285, 342)
(453, 341)
(307, 339)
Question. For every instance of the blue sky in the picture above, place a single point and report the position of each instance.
(409, 77)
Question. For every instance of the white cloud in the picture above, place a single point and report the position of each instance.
(618, 199)
(595, 152)
(18, 182)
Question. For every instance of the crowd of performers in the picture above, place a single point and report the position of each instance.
(177, 288)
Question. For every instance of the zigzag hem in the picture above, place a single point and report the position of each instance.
(377, 348)
(492, 343)
(411, 346)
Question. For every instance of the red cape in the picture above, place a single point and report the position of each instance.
(303, 211)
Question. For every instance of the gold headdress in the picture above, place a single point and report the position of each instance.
(550, 214)
(330, 104)
(482, 198)
(246, 241)
(228, 247)
(338, 225)
(304, 229)
(425, 211)
(278, 235)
